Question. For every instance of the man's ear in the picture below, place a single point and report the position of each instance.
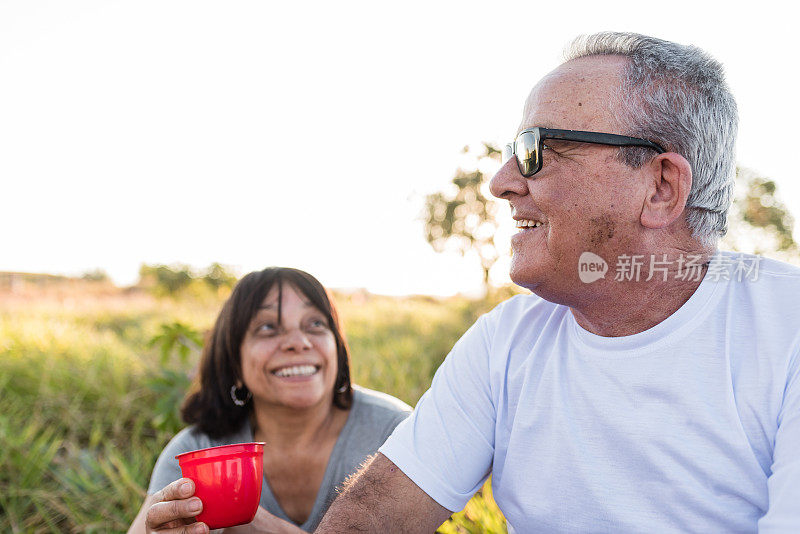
(669, 178)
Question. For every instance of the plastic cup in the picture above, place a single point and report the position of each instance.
(228, 481)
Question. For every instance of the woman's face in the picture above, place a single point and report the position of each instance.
(291, 364)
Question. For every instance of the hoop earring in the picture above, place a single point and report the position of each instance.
(235, 395)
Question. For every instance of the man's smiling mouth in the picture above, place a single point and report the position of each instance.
(528, 223)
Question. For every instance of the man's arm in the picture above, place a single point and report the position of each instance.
(783, 484)
(381, 498)
(446, 446)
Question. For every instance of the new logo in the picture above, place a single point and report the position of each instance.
(591, 267)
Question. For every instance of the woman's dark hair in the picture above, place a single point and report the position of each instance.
(208, 404)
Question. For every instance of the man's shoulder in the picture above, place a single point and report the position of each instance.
(762, 293)
(754, 264)
(777, 269)
(760, 276)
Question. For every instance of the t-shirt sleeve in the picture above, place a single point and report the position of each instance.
(446, 446)
(167, 469)
(783, 484)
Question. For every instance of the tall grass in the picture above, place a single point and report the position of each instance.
(79, 434)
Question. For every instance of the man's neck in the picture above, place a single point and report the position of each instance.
(626, 307)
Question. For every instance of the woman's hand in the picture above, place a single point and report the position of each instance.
(173, 509)
(265, 522)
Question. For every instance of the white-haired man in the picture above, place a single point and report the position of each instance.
(649, 384)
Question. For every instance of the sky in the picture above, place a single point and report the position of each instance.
(308, 134)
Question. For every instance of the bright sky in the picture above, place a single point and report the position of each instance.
(307, 134)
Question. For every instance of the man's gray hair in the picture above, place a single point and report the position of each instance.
(676, 96)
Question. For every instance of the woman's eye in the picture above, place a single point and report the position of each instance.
(318, 324)
(267, 328)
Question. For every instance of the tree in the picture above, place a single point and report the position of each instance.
(464, 219)
(96, 275)
(166, 279)
(218, 276)
(758, 221)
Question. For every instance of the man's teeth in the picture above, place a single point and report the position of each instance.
(297, 370)
(526, 223)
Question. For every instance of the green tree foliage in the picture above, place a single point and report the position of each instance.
(96, 275)
(166, 279)
(170, 382)
(759, 222)
(172, 280)
(176, 338)
(464, 218)
(218, 276)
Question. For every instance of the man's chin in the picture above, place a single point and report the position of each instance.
(540, 285)
(527, 278)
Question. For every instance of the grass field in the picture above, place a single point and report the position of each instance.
(86, 403)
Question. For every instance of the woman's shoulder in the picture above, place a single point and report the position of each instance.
(166, 469)
(378, 402)
(192, 438)
(188, 439)
(373, 417)
(375, 412)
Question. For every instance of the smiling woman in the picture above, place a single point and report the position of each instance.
(289, 353)
(275, 369)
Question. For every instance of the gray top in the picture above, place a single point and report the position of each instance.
(372, 418)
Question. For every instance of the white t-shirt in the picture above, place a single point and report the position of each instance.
(690, 426)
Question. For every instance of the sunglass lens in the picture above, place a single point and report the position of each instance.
(508, 152)
(527, 150)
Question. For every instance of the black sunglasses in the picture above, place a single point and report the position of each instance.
(529, 144)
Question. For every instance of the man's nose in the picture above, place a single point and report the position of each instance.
(295, 339)
(508, 181)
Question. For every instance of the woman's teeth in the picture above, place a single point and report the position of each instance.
(297, 370)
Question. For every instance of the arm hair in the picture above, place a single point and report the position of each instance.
(380, 498)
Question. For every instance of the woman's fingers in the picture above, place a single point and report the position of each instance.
(174, 508)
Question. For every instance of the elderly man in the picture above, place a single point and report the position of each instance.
(646, 385)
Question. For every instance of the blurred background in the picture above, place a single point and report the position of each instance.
(152, 152)
(257, 133)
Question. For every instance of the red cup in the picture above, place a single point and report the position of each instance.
(228, 481)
